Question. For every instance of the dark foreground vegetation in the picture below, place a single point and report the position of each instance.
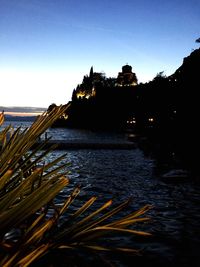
(31, 232)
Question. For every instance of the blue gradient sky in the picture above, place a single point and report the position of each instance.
(46, 46)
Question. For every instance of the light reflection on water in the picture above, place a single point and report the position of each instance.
(120, 174)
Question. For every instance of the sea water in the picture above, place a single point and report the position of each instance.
(122, 174)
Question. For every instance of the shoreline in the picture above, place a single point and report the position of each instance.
(82, 144)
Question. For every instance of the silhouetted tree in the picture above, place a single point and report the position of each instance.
(74, 97)
(91, 73)
(160, 75)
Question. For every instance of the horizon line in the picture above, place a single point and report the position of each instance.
(22, 114)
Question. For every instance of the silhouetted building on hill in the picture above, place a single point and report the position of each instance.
(126, 77)
(87, 88)
(164, 110)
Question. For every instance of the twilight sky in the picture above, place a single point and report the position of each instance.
(46, 46)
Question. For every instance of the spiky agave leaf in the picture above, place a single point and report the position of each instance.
(27, 193)
(80, 235)
(92, 226)
(19, 197)
(1, 118)
(21, 142)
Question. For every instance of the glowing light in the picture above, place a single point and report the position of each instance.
(80, 95)
(131, 121)
(65, 116)
(151, 119)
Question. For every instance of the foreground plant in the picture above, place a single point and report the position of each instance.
(30, 224)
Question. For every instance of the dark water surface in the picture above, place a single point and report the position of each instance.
(120, 174)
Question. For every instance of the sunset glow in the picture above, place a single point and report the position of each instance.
(47, 46)
(22, 114)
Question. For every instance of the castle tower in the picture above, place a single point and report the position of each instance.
(126, 77)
